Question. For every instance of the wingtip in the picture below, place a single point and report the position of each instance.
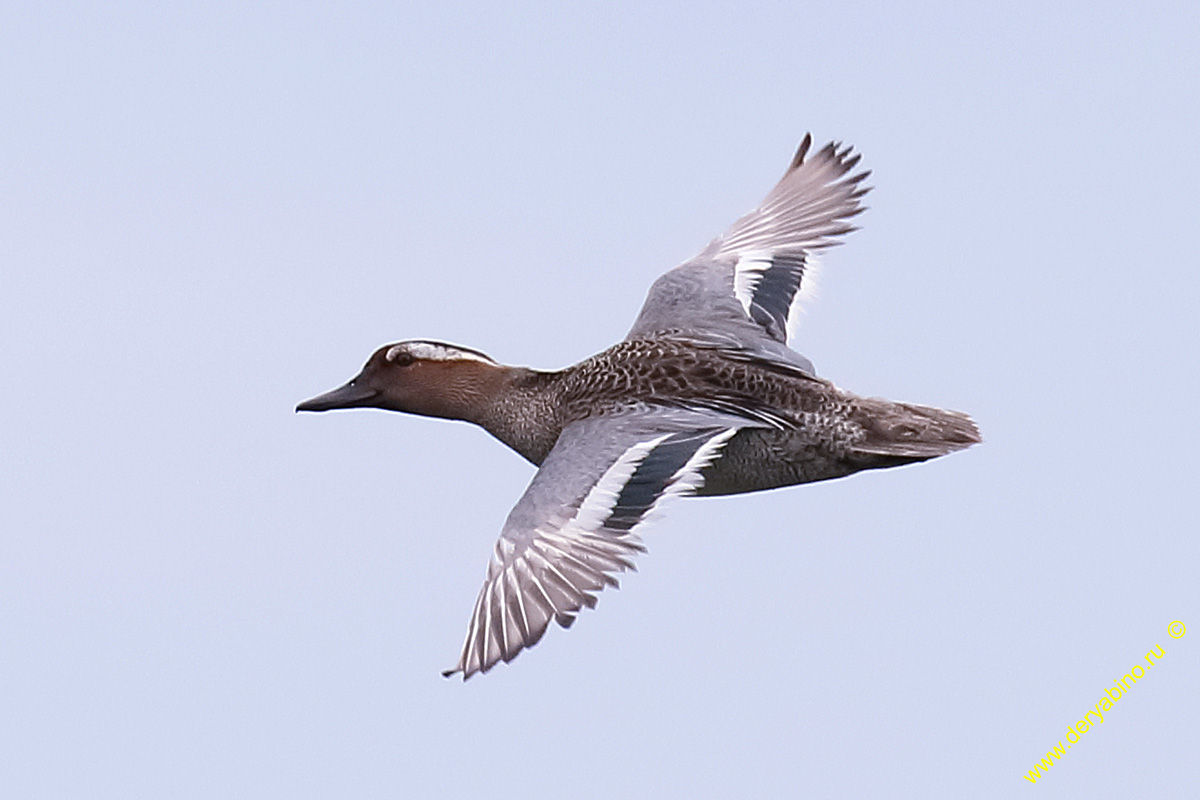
(858, 178)
(842, 157)
(801, 151)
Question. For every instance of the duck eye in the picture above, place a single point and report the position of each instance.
(402, 359)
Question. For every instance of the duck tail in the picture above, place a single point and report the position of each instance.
(907, 432)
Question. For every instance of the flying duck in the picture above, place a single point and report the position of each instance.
(703, 397)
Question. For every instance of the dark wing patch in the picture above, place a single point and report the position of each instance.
(650, 480)
(771, 300)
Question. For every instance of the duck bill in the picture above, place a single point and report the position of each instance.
(352, 395)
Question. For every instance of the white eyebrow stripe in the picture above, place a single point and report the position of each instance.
(436, 351)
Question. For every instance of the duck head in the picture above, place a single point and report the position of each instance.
(433, 379)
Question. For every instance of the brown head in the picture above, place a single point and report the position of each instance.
(433, 379)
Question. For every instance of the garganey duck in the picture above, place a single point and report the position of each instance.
(703, 397)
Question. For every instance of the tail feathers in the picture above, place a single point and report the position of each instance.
(912, 432)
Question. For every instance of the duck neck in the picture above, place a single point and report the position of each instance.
(522, 411)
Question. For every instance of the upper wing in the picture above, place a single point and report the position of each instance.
(576, 524)
(746, 283)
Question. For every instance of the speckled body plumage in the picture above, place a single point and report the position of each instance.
(820, 431)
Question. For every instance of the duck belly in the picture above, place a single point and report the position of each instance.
(874, 434)
(756, 459)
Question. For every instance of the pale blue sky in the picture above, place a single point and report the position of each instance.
(211, 211)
